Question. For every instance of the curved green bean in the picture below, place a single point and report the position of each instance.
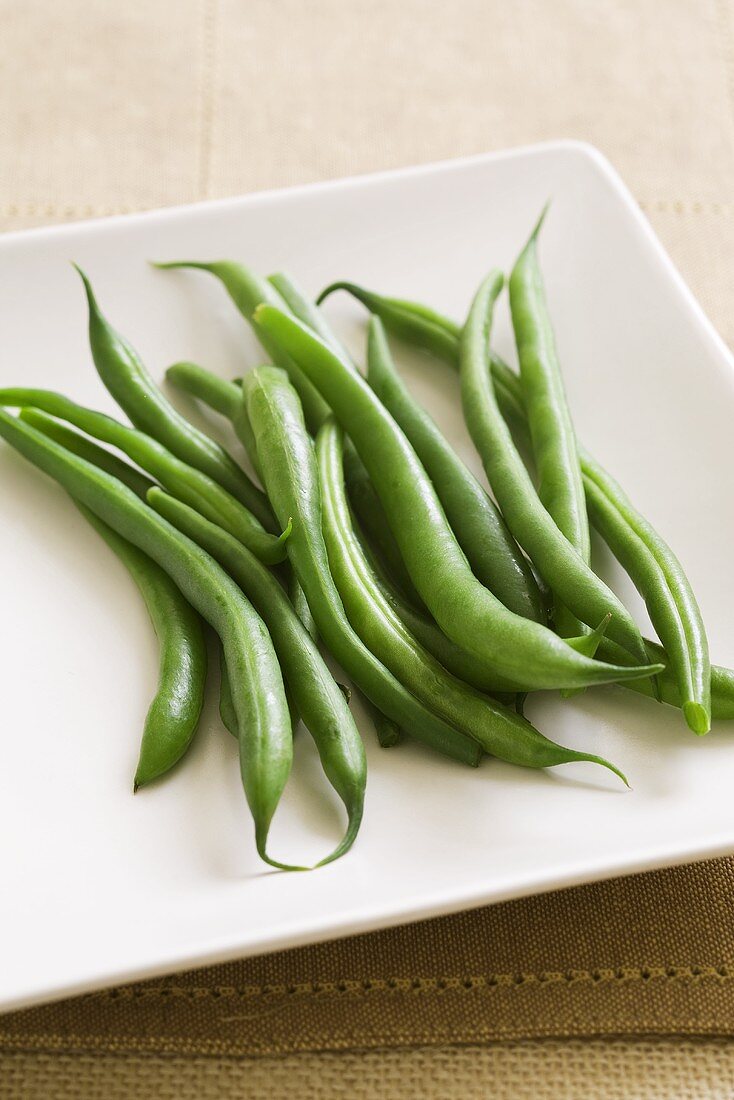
(521, 649)
(265, 741)
(248, 290)
(129, 382)
(571, 579)
(291, 477)
(173, 715)
(185, 482)
(500, 732)
(668, 596)
(494, 556)
(412, 321)
(546, 408)
(549, 418)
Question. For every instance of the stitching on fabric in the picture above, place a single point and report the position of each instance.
(49, 210)
(686, 206)
(466, 984)
(387, 1040)
(206, 107)
(90, 210)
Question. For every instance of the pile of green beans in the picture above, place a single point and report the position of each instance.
(361, 535)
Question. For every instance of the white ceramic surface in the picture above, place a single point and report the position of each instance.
(98, 886)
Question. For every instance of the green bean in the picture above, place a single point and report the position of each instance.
(291, 478)
(521, 649)
(571, 579)
(500, 732)
(173, 715)
(265, 742)
(219, 394)
(424, 629)
(659, 577)
(461, 664)
(410, 320)
(324, 709)
(129, 382)
(247, 290)
(494, 556)
(189, 484)
(551, 429)
(546, 408)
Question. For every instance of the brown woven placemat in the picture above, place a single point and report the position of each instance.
(649, 954)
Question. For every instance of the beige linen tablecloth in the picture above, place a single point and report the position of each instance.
(107, 108)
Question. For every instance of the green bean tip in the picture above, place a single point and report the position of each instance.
(330, 289)
(285, 534)
(697, 717)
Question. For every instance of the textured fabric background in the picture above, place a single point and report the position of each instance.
(106, 108)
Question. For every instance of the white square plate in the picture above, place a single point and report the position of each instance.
(99, 886)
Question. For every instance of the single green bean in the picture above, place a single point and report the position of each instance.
(324, 709)
(521, 649)
(128, 380)
(266, 742)
(185, 482)
(549, 419)
(248, 290)
(563, 568)
(546, 408)
(500, 732)
(661, 581)
(291, 477)
(461, 664)
(494, 556)
(173, 715)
